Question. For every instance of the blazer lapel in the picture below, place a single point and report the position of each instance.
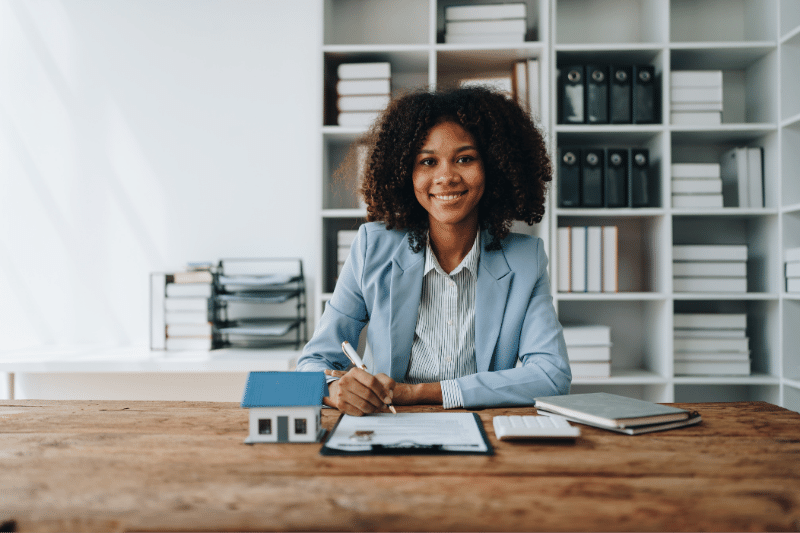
(491, 295)
(404, 296)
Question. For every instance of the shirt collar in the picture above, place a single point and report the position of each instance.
(470, 262)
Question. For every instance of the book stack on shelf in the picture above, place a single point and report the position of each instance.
(344, 240)
(180, 310)
(709, 268)
(696, 97)
(711, 344)
(696, 185)
(792, 256)
(742, 173)
(588, 259)
(364, 90)
(485, 23)
(589, 350)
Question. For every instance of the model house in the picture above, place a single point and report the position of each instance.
(284, 406)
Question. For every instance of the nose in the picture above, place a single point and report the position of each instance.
(447, 174)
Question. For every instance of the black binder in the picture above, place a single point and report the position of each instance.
(596, 94)
(616, 193)
(592, 178)
(640, 192)
(569, 177)
(620, 95)
(571, 89)
(644, 94)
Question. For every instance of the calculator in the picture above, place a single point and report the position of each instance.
(534, 427)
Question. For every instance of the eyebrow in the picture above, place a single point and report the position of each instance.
(461, 149)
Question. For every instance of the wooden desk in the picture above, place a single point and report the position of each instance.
(87, 466)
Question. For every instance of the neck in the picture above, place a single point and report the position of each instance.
(451, 243)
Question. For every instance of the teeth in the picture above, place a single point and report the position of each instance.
(446, 196)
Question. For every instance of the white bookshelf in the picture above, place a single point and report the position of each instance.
(756, 43)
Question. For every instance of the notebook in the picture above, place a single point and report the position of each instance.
(611, 411)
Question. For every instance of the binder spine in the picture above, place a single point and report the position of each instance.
(620, 95)
(592, 178)
(616, 189)
(640, 189)
(644, 94)
(571, 93)
(569, 177)
(596, 94)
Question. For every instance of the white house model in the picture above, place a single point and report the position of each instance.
(284, 406)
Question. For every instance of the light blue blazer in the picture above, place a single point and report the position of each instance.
(381, 284)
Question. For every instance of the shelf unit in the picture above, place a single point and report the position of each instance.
(756, 43)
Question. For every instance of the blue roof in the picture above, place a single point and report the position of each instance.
(284, 389)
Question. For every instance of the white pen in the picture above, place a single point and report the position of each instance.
(356, 360)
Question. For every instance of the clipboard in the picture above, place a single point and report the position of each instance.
(408, 434)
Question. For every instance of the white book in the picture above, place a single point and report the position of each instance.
(710, 320)
(713, 356)
(186, 304)
(734, 171)
(709, 284)
(358, 118)
(699, 185)
(520, 83)
(189, 343)
(695, 78)
(157, 321)
(363, 103)
(711, 333)
(357, 87)
(680, 107)
(791, 254)
(735, 368)
(360, 71)
(516, 25)
(485, 11)
(594, 259)
(755, 176)
(792, 284)
(589, 353)
(719, 269)
(186, 317)
(189, 330)
(695, 171)
(688, 344)
(695, 118)
(709, 252)
(564, 255)
(610, 259)
(189, 289)
(484, 38)
(578, 258)
(346, 237)
(695, 94)
(793, 269)
(589, 335)
(502, 84)
(683, 201)
(590, 369)
(534, 106)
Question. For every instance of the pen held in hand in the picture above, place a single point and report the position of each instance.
(356, 360)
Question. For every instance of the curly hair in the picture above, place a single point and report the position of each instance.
(516, 165)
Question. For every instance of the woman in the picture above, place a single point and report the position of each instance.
(452, 298)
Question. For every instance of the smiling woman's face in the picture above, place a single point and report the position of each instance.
(448, 176)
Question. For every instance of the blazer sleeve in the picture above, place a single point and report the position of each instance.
(542, 353)
(344, 317)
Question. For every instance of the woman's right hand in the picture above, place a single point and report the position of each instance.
(358, 392)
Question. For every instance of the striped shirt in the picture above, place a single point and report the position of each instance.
(444, 338)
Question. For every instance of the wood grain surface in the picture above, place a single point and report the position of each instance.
(175, 466)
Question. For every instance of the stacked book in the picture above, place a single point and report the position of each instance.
(344, 240)
(588, 259)
(589, 350)
(792, 256)
(696, 185)
(711, 344)
(742, 173)
(364, 90)
(709, 268)
(696, 97)
(521, 84)
(485, 23)
(180, 318)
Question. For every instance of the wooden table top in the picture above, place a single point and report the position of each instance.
(142, 466)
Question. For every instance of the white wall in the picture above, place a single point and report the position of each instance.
(137, 135)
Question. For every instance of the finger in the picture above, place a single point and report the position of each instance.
(380, 390)
(358, 389)
(388, 384)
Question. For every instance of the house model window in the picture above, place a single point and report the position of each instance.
(284, 406)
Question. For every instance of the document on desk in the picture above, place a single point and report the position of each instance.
(407, 434)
